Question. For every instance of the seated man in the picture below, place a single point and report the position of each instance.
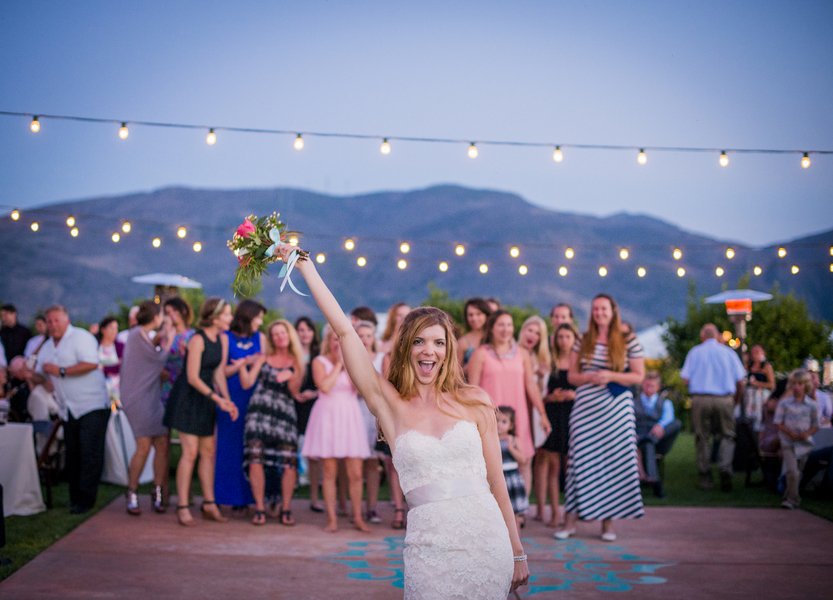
(656, 429)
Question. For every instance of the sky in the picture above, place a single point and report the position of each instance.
(696, 74)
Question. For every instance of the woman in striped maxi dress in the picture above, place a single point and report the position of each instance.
(602, 474)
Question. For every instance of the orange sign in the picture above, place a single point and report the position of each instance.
(742, 306)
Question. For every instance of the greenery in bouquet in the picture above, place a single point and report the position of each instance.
(255, 244)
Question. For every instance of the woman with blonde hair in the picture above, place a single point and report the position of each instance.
(270, 452)
(396, 313)
(603, 366)
(443, 435)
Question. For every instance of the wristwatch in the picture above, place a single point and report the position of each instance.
(62, 372)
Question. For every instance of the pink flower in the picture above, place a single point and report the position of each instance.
(246, 228)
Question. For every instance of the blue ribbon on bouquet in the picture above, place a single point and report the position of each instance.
(286, 271)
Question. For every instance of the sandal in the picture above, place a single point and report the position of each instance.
(286, 518)
(315, 507)
(259, 518)
(398, 519)
(188, 522)
(212, 515)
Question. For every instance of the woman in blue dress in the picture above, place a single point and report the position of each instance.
(245, 342)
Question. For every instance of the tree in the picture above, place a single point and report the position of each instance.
(440, 298)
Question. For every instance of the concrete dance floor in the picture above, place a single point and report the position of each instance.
(671, 553)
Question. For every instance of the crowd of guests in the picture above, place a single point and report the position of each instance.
(259, 407)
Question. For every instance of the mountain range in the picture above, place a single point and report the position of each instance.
(90, 273)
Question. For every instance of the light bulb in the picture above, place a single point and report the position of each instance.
(641, 272)
(116, 237)
(724, 159)
(361, 261)
(624, 253)
(719, 271)
(730, 253)
(181, 232)
(523, 269)
(569, 253)
(126, 227)
(402, 264)
(680, 272)
(831, 247)
(805, 161)
(349, 244)
(642, 158)
(443, 266)
(483, 268)
(558, 154)
(514, 252)
(794, 269)
(385, 147)
(782, 252)
(757, 270)
(677, 254)
(602, 271)
(473, 151)
(293, 240)
(298, 144)
(156, 242)
(123, 131)
(74, 232)
(404, 247)
(15, 216)
(320, 258)
(562, 270)
(34, 126)
(211, 138)
(70, 221)
(831, 267)
(35, 226)
(197, 247)
(459, 249)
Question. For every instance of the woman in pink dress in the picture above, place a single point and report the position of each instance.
(504, 370)
(336, 430)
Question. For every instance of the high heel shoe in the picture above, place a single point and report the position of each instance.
(133, 503)
(188, 520)
(212, 514)
(157, 500)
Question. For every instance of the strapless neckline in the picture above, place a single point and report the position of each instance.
(433, 437)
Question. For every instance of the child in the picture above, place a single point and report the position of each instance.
(513, 458)
(797, 417)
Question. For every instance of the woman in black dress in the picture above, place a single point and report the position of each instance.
(191, 407)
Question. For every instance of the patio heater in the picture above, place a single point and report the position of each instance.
(739, 309)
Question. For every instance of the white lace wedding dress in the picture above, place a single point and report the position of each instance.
(457, 544)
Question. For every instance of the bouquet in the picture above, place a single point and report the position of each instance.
(255, 244)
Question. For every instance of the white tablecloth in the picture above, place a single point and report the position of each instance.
(19, 471)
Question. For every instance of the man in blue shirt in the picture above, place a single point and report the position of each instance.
(714, 375)
(656, 428)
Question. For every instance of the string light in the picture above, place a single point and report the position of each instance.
(831, 247)
(181, 232)
(116, 237)
(523, 269)
(805, 161)
(74, 232)
(562, 270)
(624, 253)
(34, 126)
(197, 247)
(211, 138)
(123, 131)
(402, 264)
(558, 154)
(70, 221)
(34, 226)
(782, 252)
(443, 266)
(719, 272)
(349, 244)
(680, 272)
(757, 270)
(15, 216)
(385, 147)
(126, 227)
(794, 269)
(298, 144)
(404, 247)
(483, 268)
(602, 271)
(514, 252)
(361, 261)
(724, 159)
(642, 158)
(320, 258)
(831, 267)
(156, 242)
(677, 254)
(473, 152)
(641, 272)
(459, 249)
(730, 253)
(293, 240)
(569, 253)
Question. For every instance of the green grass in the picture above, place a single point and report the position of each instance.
(26, 537)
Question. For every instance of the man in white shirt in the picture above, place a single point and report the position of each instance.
(714, 375)
(70, 359)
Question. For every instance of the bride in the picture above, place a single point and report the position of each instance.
(461, 539)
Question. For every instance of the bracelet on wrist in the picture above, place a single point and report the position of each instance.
(519, 558)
